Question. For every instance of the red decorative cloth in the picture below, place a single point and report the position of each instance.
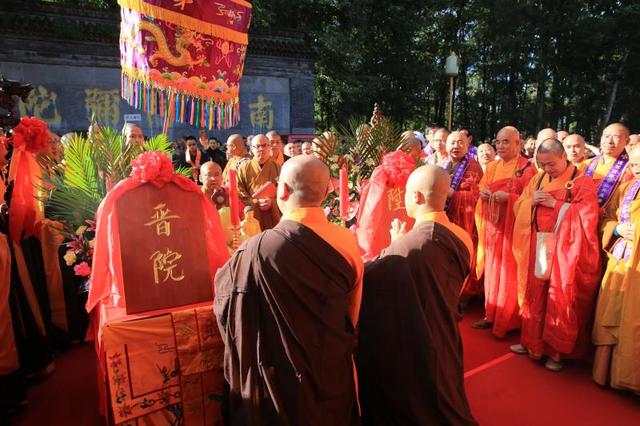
(29, 137)
(106, 275)
(381, 201)
(185, 58)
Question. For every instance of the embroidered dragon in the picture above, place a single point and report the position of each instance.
(183, 40)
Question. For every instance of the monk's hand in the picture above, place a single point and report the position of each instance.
(398, 229)
(543, 198)
(264, 204)
(485, 194)
(501, 196)
(626, 230)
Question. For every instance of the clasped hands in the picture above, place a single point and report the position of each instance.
(498, 196)
(543, 198)
(626, 230)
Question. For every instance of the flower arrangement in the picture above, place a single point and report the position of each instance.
(91, 166)
(79, 252)
(359, 147)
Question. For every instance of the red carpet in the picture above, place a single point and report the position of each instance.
(503, 389)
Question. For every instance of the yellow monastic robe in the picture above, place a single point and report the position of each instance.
(582, 165)
(252, 176)
(233, 163)
(617, 322)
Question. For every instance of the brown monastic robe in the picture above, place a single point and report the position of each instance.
(410, 365)
(252, 176)
(282, 304)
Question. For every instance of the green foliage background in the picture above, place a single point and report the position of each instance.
(571, 64)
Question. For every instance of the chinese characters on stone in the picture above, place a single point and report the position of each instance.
(165, 262)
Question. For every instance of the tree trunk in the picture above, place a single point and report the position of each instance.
(614, 90)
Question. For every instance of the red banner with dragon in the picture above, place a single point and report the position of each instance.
(183, 59)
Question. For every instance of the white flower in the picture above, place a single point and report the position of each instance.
(334, 167)
(370, 162)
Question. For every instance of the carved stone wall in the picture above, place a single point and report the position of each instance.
(71, 57)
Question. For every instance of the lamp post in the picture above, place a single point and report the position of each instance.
(451, 69)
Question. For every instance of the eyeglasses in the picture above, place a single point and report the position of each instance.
(259, 147)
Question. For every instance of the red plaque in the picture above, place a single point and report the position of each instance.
(162, 244)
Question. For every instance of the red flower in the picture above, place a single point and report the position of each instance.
(31, 134)
(82, 269)
(398, 165)
(152, 166)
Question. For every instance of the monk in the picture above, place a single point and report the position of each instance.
(556, 310)
(277, 148)
(634, 142)
(463, 194)
(287, 304)
(608, 168)
(211, 179)
(252, 175)
(617, 323)
(133, 134)
(236, 154)
(307, 148)
(562, 135)
(500, 187)
(486, 154)
(575, 147)
(439, 156)
(410, 366)
(545, 134)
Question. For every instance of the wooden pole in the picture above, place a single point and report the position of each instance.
(450, 103)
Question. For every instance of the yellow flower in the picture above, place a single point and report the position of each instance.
(69, 257)
(80, 230)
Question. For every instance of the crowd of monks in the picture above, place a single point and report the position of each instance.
(544, 233)
(543, 230)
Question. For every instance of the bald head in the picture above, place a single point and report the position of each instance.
(427, 190)
(614, 140)
(634, 143)
(575, 147)
(634, 162)
(551, 157)
(235, 146)
(211, 175)
(508, 143)
(545, 134)
(551, 146)
(562, 135)
(303, 182)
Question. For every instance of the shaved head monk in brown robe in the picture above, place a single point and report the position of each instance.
(409, 359)
(287, 304)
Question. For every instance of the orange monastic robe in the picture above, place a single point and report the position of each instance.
(617, 323)
(461, 211)
(495, 230)
(556, 314)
